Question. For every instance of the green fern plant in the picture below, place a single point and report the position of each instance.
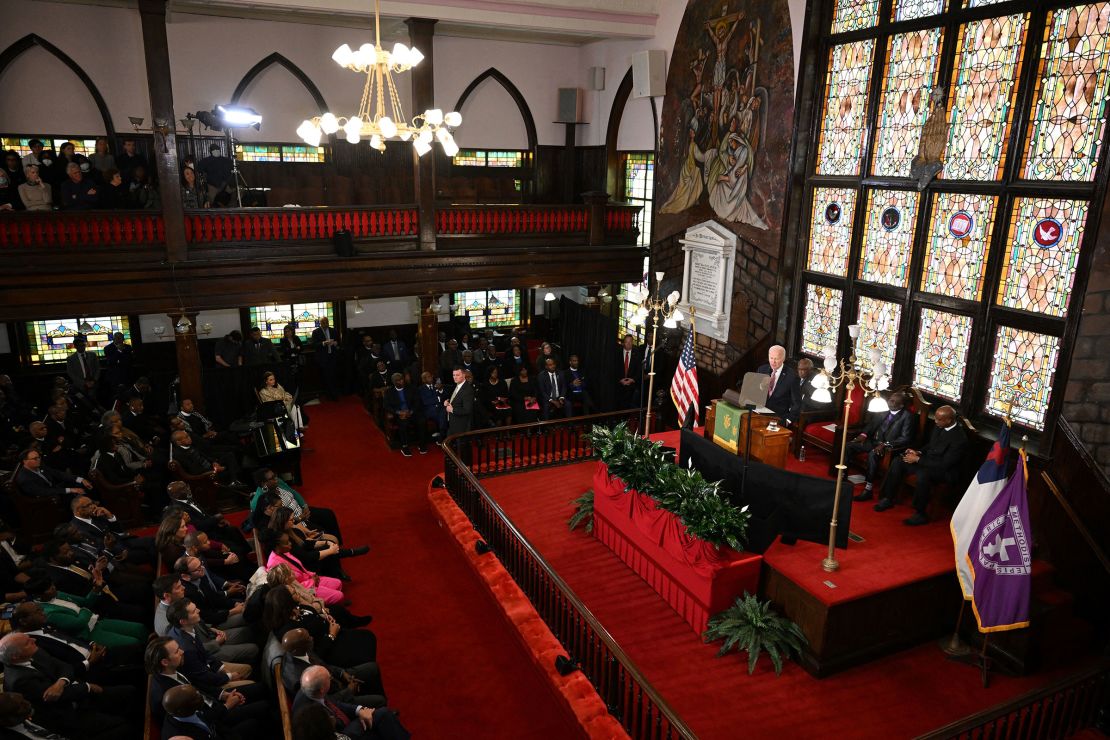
(584, 512)
(753, 626)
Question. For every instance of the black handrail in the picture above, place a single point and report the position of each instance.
(627, 694)
(1058, 710)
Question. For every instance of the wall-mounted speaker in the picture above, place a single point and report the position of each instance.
(570, 105)
(596, 78)
(649, 73)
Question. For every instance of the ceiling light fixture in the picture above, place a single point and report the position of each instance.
(358, 306)
(372, 122)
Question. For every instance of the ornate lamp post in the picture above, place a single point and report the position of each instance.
(656, 308)
(851, 375)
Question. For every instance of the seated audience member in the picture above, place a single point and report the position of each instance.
(889, 432)
(318, 552)
(192, 194)
(431, 397)
(337, 645)
(356, 721)
(196, 463)
(315, 517)
(553, 387)
(114, 195)
(129, 159)
(219, 601)
(468, 365)
(233, 645)
(282, 575)
(200, 427)
(38, 481)
(63, 704)
(90, 660)
(214, 525)
(113, 469)
(401, 401)
(99, 526)
(524, 397)
(328, 589)
(140, 193)
(13, 168)
(102, 159)
(449, 359)
(937, 462)
(493, 396)
(187, 715)
(36, 154)
(144, 426)
(117, 595)
(784, 392)
(71, 613)
(272, 391)
(547, 352)
(35, 194)
(202, 669)
(806, 374)
(361, 684)
(15, 565)
(579, 387)
(380, 378)
(79, 192)
(217, 557)
(15, 719)
(511, 364)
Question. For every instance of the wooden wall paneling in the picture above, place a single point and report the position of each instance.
(421, 31)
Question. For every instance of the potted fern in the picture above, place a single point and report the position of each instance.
(584, 512)
(753, 626)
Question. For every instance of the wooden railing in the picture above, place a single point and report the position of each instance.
(1054, 711)
(82, 228)
(481, 220)
(299, 224)
(629, 696)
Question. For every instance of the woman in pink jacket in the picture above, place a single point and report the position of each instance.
(328, 589)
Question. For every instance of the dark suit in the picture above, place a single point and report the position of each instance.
(785, 399)
(431, 406)
(554, 389)
(79, 375)
(213, 603)
(397, 357)
(327, 358)
(629, 367)
(119, 665)
(939, 463)
(141, 425)
(191, 460)
(45, 482)
(462, 403)
(386, 726)
(886, 432)
(373, 695)
(246, 718)
(117, 361)
(203, 670)
(409, 429)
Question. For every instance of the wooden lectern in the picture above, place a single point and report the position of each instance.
(769, 448)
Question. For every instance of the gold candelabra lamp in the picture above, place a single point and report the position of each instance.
(849, 373)
(656, 308)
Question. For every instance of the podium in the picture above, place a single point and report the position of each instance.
(768, 447)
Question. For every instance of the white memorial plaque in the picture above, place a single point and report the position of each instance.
(707, 277)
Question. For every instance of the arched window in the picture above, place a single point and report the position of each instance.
(969, 284)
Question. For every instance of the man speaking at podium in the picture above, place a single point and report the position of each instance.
(784, 391)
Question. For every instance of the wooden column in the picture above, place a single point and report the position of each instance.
(428, 337)
(597, 201)
(421, 33)
(164, 122)
(188, 358)
(570, 171)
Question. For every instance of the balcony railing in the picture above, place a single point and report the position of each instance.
(299, 224)
(629, 696)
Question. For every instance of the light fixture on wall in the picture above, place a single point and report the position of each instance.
(206, 328)
(183, 325)
(549, 296)
(358, 306)
(436, 307)
(85, 327)
(159, 331)
(372, 122)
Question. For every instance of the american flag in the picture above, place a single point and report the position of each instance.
(684, 385)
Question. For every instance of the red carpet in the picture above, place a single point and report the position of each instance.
(901, 695)
(450, 662)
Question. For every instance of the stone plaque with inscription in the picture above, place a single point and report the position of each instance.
(710, 251)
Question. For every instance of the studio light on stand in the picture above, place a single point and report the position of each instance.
(229, 117)
(655, 308)
(852, 374)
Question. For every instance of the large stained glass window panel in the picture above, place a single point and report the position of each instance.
(488, 307)
(878, 328)
(1024, 365)
(821, 324)
(981, 100)
(908, 10)
(830, 230)
(911, 68)
(304, 317)
(941, 358)
(1069, 105)
(1039, 266)
(845, 112)
(957, 244)
(852, 15)
(888, 238)
(52, 340)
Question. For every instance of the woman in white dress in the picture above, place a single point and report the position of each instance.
(272, 391)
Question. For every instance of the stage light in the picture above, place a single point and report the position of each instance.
(565, 666)
(237, 116)
(481, 547)
(438, 482)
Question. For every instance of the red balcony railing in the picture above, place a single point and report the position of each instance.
(82, 229)
(480, 220)
(299, 224)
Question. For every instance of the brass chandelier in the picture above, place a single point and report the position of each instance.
(379, 96)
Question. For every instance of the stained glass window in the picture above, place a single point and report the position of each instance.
(888, 238)
(830, 230)
(1069, 108)
(982, 3)
(956, 250)
(51, 340)
(911, 68)
(639, 183)
(1024, 365)
(878, 328)
(305, 317)
(852, 15)
(18, 144)
(469, 158)
(491, 158)
(80, 146)
(821, 324)
(298, 153)
(258, 152)
(1042, 254)
(505, 159)
(843, 120)
(907, 10)
(981, 101)
(942, 342)
(488, 307)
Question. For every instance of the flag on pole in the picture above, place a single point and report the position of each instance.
(985, 486)
(684, 385)
(1001, 558)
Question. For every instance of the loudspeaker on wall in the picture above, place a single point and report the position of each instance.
(570, 105)
(596, 78)
(649, 73)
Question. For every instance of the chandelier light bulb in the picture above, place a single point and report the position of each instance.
(415, 57)
(670, 323)
(376, 142)
(425, 137)
(434, 116)
(304, 128)
(406, 135)
(822, 395)
(830, 363)
(367, 54)
(876, 404)
(422, 147)
(443, 135)
(353, 129)
(450, 148)
(329, 124)
(342, 55)
(400, 56)
(883, 383)
(673, 297)
(453, 119)
(820, 381)
(387, 126)
(679, 316)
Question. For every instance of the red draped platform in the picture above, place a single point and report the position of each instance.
(695, 577)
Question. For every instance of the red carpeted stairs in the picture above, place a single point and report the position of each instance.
(450, 662)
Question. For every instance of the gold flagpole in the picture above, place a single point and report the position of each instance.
(694, 349)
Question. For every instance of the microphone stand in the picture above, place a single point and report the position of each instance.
(750, 407)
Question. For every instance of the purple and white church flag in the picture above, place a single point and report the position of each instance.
(984, 488)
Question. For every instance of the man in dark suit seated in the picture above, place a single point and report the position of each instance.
(629, 373)
(37, 481)
(401, 401)
(360, 684)
(553, 391)
(15, 719)
(194, 462)
(784, 392)
(62, 703)
(579, 391)
(244, 708)
(889, 432)
(125, 595)
(203, 670)
(215, 525)
(142, 425)
(806, 374)
(937, 462)
(215, 598)
(356, 721)
(187, 715)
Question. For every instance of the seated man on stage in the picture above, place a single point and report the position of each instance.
(806, 373)
(401, 401)
(889, 432)
(937, 462)
(553, 389)
(784, 393)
